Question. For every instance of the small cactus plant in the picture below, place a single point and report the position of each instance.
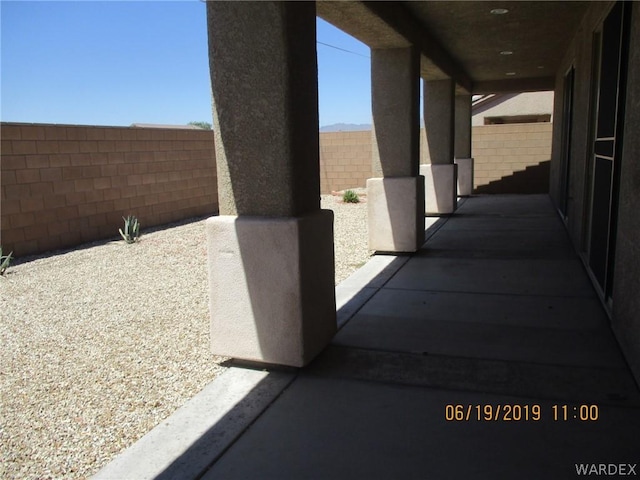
(350, 197)
(5, 261)
(131, 229)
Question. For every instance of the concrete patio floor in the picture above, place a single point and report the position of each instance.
(495, 310)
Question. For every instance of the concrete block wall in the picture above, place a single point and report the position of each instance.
(65, 185)
(345, 160)
(501, 150)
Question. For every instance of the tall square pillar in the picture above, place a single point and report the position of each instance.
(462, 145)
(270, 252)
(396, 194)
(441, 175)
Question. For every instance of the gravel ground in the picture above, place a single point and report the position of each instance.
(100, 344)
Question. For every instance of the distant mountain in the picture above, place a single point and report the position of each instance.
(346, 127)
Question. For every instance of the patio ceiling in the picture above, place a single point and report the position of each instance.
(464, 39)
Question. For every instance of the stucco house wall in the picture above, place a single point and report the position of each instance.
(624, 305)
(526, 103)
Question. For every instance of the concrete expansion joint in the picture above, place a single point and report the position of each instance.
(260, 366)
(353, 293)
(423, 369)
(436, 223)
(251, 420)
(374, 276)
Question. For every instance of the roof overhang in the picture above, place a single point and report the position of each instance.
(483, 52)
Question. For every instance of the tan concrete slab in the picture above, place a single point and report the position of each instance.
(358, 288)
(603, 386)
(339, 429)
(498, 223)
(363, 413)
(508, 205)
(500, 244)
(494, 276)
(561, 313)
(579, 347)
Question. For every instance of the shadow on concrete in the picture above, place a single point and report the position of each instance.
(210, 446)
(205, 450)
(533, 179)
(187, 444)
(421, 334)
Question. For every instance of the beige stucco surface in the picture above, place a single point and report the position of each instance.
(271, 287)
(439, 109)
(526, 103)
(440, 188)
(396, 220)
(394, 102)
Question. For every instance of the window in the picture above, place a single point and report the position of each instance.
(517, 119)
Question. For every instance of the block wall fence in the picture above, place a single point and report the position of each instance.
(66, 185)
(499, 151)
(345, 160)
(502, 150)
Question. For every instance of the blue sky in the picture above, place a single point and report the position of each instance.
(123, 62)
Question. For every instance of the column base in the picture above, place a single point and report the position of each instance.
(272, 287)
(440, 188)
(465, 176)
(394, 209)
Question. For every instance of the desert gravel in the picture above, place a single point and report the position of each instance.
(101, 343)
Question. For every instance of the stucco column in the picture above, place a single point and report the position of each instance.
(462, 144)
(270, 252)
(441, 174)
(396, 195)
